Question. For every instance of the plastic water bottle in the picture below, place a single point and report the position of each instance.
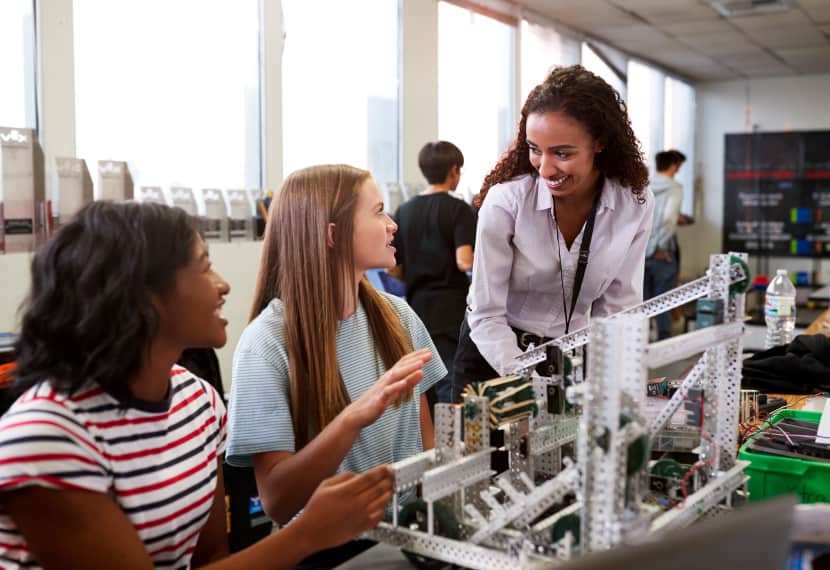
(779, 310)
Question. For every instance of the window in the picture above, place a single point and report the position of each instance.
(645, 108)
(543, 48)
(476, 89)
(17, 64)
(662, 111)
(592, 61)
(679, 134)
(170, 87)
(340, 83)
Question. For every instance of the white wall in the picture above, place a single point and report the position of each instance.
(271, 45)
(773, 104)
(56, 83)
(419, 83)
(237, 262)
(14, 284)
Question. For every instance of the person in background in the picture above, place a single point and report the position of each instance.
(562, 229)
(112, 454)
(661, 252)
(434, 252)
(316, 372)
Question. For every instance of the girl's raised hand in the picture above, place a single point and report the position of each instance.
(405, 374)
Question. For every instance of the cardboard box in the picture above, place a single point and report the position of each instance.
(72, 190)
(114, 181)
(215, 226)
(241, 214)
(152, 194)
(185, 199)
(23, 209)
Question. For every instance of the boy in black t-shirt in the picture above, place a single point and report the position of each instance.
(434, 244)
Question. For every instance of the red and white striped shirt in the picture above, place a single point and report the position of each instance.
(157, 460)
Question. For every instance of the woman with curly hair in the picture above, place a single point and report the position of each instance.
(563, 226)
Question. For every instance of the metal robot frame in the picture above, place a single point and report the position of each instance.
(498, 515)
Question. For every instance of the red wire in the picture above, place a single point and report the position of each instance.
(688, 474)
(700, 464)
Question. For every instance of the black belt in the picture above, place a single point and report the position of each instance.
(524, 338)
(551, 364)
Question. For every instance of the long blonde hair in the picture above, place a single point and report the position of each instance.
(315, 282)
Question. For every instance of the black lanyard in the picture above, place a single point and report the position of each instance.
(582, 263)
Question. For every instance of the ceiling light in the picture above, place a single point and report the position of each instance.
(733, 8)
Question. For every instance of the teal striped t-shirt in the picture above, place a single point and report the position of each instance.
(259, 408)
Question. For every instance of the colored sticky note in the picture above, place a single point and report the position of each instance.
(801, 247)
(801, 215)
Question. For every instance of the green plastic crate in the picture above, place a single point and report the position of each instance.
(772, 475)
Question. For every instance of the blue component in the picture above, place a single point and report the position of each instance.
(373, 275)
(392, 285)
(709, 312)
(382, 281)
(254, 505)
(803, 215)
(803, 247)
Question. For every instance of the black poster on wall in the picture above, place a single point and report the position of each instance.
(777, 194)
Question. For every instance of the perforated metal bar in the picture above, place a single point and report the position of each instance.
(532, 504)
(448, 443)
(550, 492)
(617, 372)
(452, 551)
(680, 347)
(476, 438)
(409, 472)
(691, 381)
(554, 436)
(447, 479)
(727, 429)
(722, 377)
(675, 298)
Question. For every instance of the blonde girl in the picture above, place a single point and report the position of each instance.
(330, 375)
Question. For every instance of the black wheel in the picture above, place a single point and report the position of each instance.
(424, 563)
(415, 515)
(569, 523)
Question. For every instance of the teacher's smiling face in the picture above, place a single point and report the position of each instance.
(562, 151)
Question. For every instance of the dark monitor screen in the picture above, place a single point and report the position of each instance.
(755, 537)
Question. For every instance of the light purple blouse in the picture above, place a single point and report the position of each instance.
(516, 269)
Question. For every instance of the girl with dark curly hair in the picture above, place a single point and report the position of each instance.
(563, 226)
(111, 457)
